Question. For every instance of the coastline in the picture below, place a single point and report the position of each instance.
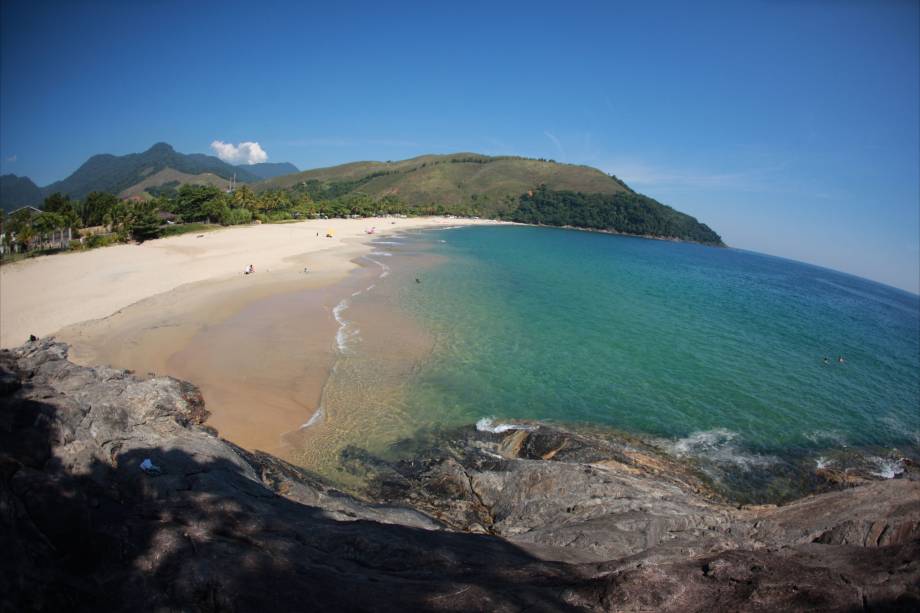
(260, 347)
(42, 295)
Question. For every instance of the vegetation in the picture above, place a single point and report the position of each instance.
(625, 212)
(519, 189)
(463, 183)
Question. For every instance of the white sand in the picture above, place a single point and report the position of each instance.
(42, 295)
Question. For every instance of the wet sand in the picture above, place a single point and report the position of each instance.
(261, 349)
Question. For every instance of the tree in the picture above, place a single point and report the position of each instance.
(191, 201)
(144, 223)
(244, 198)
(96, 207)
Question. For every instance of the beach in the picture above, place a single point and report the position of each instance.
(259, 346)
(42, 295)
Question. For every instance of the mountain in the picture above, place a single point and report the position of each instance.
(269, 170)
(119, 174)
(521, 189)
(18, 191)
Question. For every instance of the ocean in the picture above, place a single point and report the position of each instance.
(757, 369)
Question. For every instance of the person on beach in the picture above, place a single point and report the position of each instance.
(249, 270)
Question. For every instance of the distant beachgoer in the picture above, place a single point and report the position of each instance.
(826, 361)
(417, 280)
(32, 338)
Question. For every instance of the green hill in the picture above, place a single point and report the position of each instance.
(521, 189)
(18, 191)
(117, 174)
(488, 184)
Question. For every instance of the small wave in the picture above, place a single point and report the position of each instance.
(388, 243)
(487, 424)
(718, 446)
(821, 462)
(342, 335)
(314, 419)
(886, 468)
(383, 253)
(822, 437)
(384, 267)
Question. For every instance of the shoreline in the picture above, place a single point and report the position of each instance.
(262, 397)
(42, 295)
(260, 347)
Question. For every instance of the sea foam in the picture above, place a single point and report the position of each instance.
(886, 467)
(719, 446)
(343, 334)
(487, 424)
(314, 419)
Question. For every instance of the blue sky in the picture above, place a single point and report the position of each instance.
(790, 127)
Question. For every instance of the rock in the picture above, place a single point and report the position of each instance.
(539, 519)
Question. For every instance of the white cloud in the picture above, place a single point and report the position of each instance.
(12, 158)
(244, 153)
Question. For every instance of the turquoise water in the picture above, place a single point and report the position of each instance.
(713, 353)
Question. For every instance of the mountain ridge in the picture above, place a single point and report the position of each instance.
(16, 191)
(115, 174)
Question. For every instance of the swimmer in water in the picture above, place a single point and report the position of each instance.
(826, 361)
(840, 360)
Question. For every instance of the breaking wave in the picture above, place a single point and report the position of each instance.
(719, 446)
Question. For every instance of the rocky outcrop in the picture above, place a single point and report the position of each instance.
(529, 519)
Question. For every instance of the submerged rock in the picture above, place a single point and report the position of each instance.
(524, 519)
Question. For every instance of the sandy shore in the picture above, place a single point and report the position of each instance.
(260, 347)
(43, 295)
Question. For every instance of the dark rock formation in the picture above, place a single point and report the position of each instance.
(564, 521)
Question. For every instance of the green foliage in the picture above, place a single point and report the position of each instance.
(97, 208)
(185, 228)
(64, 206)
(144, 223)
(233, 217)
(101, 240)
(198, 202)
(448, 181)
(625, 212)
(168, 189)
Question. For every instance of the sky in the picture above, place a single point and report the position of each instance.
(790, 127)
